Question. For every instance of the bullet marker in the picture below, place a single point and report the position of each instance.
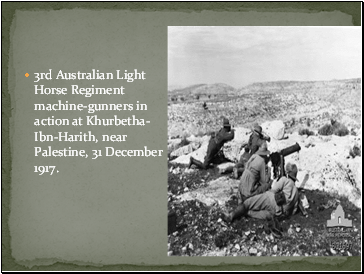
(26, 74)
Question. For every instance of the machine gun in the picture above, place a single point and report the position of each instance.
(277, 159)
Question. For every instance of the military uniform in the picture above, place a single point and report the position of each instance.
(255, 179)
(264, 206)
(287, 185)
(256, 139)
(215, 144)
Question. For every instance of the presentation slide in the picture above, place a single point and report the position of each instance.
(195, 136)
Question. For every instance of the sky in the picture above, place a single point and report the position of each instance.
(239, 56)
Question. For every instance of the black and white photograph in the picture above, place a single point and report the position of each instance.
(264, 141)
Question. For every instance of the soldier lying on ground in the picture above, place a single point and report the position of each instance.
(256, 178)
(224, 135)
(280, 201)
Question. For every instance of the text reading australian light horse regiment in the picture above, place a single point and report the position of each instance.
(89, 91)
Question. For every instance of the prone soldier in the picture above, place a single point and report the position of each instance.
(224, 135)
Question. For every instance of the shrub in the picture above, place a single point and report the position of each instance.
(340, 129)
(326, 130)
(355, 151)
(335, 128)
(305, 131)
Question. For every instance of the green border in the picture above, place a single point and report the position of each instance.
(8, 12)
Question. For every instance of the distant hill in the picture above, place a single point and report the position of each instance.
(292, 86)
(338, 92)
(205, 89)
(346, 91)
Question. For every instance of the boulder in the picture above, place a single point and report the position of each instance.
(198, 154)
(185, 150)
(225, 167)
(274, 129)
(217, 191)
(197, 139)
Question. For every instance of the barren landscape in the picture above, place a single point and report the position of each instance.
(323, 117)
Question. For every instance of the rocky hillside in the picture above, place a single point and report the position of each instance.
(201, 92)
(330, 166)
(328, 171)
(324, 161)
(341, 93)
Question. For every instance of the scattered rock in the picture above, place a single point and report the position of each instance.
(170, 253)
(184, 249)
(237, 247)
(275, 249)
(333, 252)
(253, 251)
(225, 167)
(190, 246)
(290, 230)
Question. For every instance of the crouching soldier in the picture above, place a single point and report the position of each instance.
(280, 201)
(256, 139)
(256, 177)
(224, 135)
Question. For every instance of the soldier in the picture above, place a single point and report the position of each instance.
(256, 177)
(281, 201)
(224, 135)
(256, 139)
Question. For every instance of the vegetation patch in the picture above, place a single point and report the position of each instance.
(335, 128)
(305, 131)
(355, 151)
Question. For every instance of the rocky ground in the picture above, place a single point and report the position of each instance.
(201, 232)
(199, 197)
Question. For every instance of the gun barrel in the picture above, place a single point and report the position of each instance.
(289, 150)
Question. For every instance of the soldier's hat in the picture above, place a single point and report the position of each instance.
(291, 170)
(257, 128)
(263, 150)
(226, 123)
